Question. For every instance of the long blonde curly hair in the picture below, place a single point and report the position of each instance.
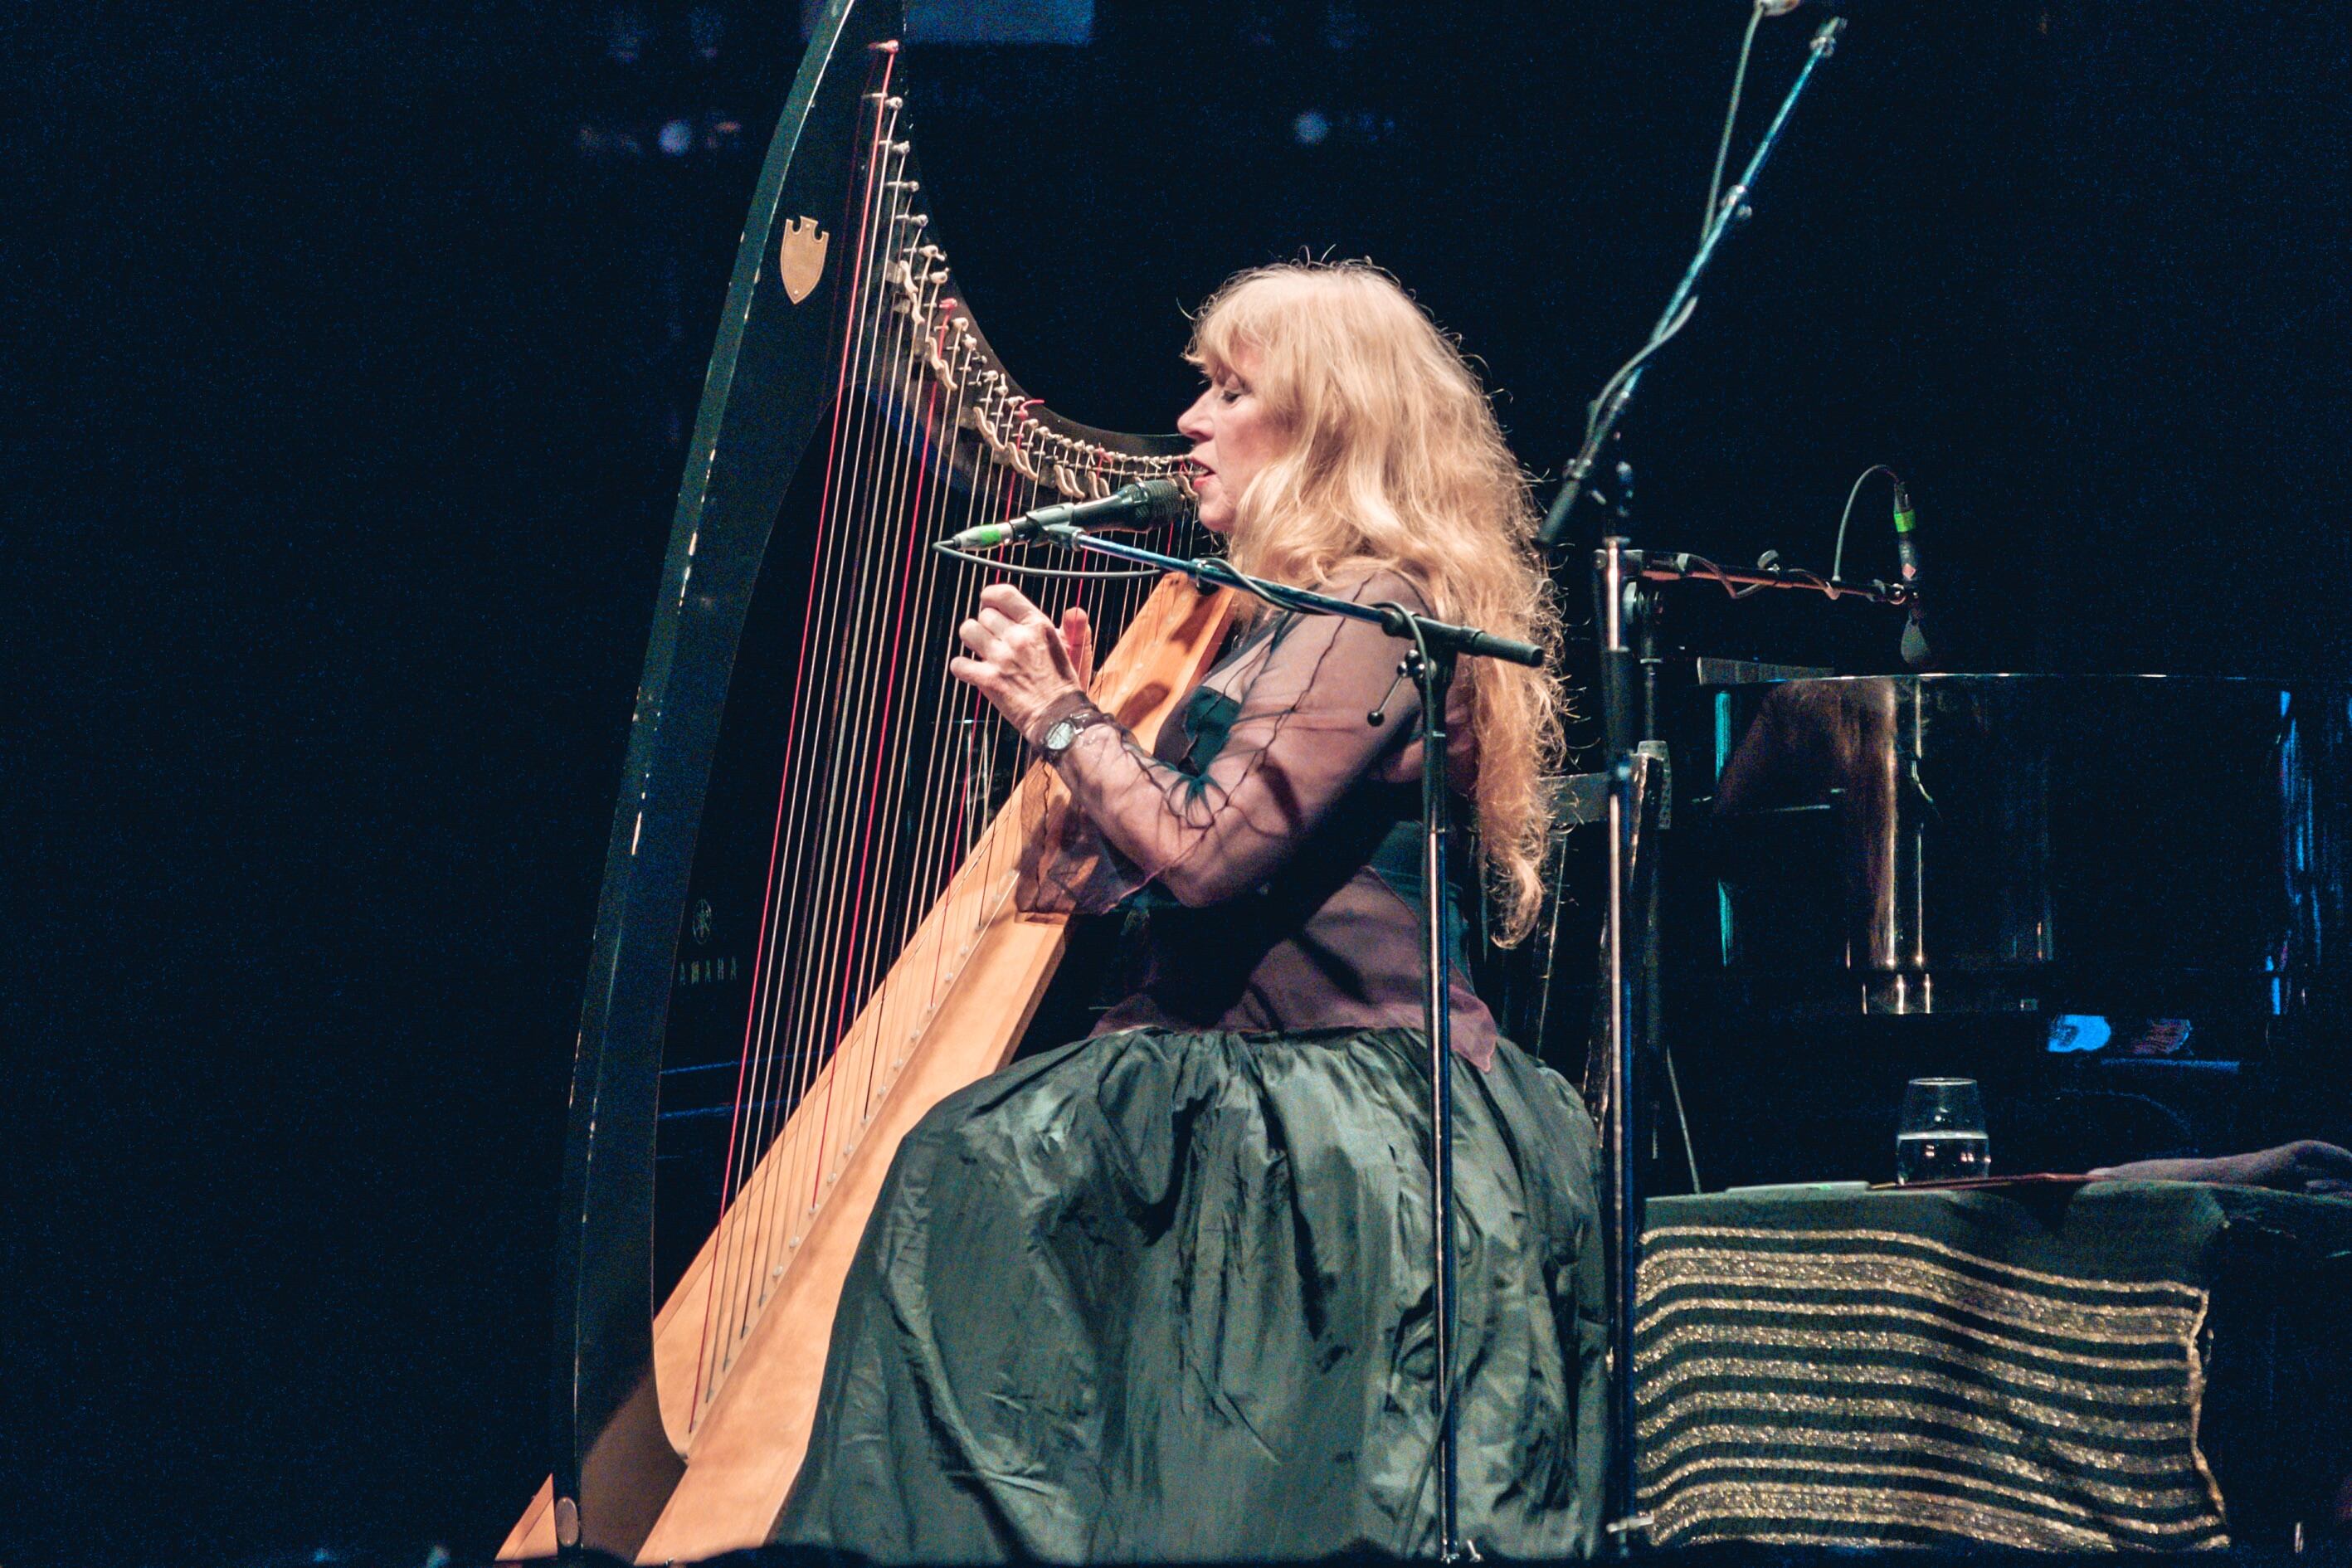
(1394, 460)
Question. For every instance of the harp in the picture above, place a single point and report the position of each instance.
(808, 886)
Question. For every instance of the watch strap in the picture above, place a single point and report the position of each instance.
(1069, 717)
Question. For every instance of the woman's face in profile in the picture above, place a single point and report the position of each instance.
(1233, 436)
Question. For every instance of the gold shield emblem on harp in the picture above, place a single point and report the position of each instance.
(802, 257)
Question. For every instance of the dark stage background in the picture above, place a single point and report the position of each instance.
(352, 349)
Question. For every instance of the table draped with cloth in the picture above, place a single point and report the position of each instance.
(2141, 1366)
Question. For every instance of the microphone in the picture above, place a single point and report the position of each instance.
(1146, 503)
(1916, 652)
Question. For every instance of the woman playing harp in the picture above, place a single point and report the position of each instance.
(1164, 1293)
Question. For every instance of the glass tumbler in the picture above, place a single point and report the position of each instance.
(1941, 1137)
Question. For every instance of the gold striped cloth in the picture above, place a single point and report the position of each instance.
(1873, 1386)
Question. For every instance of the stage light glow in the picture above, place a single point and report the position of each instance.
(1069, 23)
(626, 30)
(1344, 27)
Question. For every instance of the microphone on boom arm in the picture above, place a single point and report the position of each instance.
(1146, 503)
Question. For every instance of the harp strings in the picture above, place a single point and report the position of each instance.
(843, 828)
(739, 1245)
(893, 772)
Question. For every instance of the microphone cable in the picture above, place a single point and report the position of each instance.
(1837, 556)
(1063, 573)
(1762, 9)
(1731, 113)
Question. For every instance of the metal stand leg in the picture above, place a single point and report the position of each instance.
(1433, 672)
(1622, 963)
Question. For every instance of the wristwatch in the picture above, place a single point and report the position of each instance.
(1063, 732)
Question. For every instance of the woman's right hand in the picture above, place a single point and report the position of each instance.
(1020, 660)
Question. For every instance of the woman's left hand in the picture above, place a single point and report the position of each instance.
(1016, 657)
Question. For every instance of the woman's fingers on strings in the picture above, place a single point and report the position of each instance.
(1010, 602)
(1029, 642)
(974, 672)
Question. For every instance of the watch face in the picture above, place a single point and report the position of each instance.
(1059, 735)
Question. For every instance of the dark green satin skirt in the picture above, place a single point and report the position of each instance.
(1167, 1295)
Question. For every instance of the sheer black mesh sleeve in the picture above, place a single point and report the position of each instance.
(1300, 740)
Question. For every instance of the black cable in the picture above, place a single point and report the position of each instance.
(1062, 571)
(1731, 113)
(1837, 556)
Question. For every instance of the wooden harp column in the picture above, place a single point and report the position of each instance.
(811, 865)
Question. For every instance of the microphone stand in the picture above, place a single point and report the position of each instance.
(1436, 645)
(1637, 779)
(1610, 405)
(1633, 773)
(1616, 588)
